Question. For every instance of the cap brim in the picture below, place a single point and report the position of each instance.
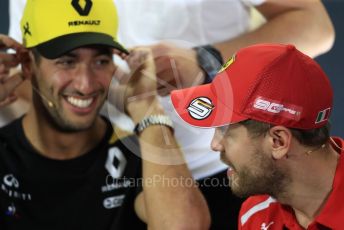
(200, 106)
(58, 46)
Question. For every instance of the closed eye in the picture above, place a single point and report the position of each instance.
(66, 62)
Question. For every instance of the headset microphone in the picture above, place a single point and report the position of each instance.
(50, 103)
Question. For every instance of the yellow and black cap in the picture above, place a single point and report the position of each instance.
(55, 27)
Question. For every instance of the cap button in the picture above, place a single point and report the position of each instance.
(290, 47)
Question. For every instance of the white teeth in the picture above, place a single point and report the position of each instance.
(79, 102)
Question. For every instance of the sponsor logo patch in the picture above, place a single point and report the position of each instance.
(323, 115)
(200, 108)
(113, 201)
(227, 64)
(269, 106)
(82, 11)
(10, 185)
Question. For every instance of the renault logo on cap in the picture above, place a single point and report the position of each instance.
(82, 11)
(26, 28)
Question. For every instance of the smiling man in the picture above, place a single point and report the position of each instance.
(62, 165)
(270, 106)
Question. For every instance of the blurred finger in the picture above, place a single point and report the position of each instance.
(10, 60)
(119, 53)
(116, 96)
(9, 43)
(10, 84)
(3, 68)
(121, 76)
(132, 59)
(8, 100)
(3, 76)
(137, 57)
(162, 63)
(23, 55)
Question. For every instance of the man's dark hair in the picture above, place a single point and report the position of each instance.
(36, 55)
(104, 49)
(310, 137)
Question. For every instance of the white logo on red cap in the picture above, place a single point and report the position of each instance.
(288, 111)
(200, 108)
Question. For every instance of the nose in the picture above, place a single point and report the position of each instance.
(216, 142)
(85, 80)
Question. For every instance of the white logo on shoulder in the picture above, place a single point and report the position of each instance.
(11, 181)
(266, 227)
(115, 169)
(10, 186)
(200, 108)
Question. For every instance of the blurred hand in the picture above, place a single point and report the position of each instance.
(8, 82)
(137, 93)
(176, 67)
(142, 82)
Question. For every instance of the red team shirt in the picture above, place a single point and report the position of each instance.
(265, 213)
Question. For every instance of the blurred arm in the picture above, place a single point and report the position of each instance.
(170, 197)
(304, 23)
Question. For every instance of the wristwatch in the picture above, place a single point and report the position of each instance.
(153, 120)
(210, 60)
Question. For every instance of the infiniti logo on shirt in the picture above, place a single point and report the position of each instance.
(10, 186)
(11, 181)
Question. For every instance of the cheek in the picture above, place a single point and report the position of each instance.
(103, 77)
(52, 81)
(237, 153)
(105, 81)
(60, 81)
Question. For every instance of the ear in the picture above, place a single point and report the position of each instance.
(280, 139)
(27, 66)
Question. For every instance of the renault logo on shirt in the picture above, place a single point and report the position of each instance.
(115, 162)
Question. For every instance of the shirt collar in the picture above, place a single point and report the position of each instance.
(333, 210)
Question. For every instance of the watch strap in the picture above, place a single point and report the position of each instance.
(153, 120)
(210, 60)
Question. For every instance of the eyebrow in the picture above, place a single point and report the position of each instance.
(104, 51)
(69, 54)
(99, 52)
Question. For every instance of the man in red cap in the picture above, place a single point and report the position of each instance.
(270, 105)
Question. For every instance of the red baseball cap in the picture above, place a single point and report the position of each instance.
(272, 83)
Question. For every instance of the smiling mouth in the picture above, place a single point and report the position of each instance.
(80, 103)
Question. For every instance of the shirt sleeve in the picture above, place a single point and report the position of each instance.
(253, 2)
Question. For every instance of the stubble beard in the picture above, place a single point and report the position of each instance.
(59, 121)
(263, 177)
